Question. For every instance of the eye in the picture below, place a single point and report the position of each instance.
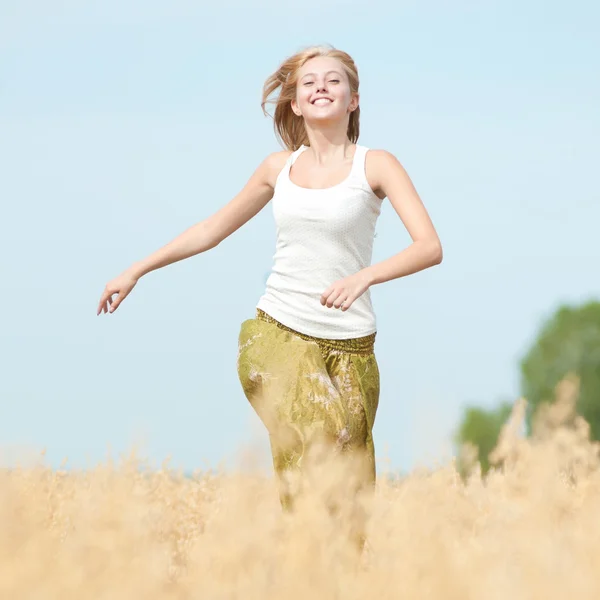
(308, 83)
(334, 81)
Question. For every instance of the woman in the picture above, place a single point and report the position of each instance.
(306, 361)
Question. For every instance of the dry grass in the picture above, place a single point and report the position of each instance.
(531, 529)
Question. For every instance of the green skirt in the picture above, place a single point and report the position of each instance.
(308, 391)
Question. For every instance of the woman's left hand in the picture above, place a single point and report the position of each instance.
(345, 291)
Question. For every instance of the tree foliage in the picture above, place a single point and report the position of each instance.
(568, 342)
(481, 427)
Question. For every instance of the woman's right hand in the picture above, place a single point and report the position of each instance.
(121, 285)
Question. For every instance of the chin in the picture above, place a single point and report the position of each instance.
(326, 116)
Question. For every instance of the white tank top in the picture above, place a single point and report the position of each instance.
(323, 235)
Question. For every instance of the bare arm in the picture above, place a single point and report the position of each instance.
(212, 231)
(204, 235)
(387, 177)
(390, 177)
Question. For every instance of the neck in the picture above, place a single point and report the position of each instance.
(328, 145)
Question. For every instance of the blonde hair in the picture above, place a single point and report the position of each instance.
(289, 127)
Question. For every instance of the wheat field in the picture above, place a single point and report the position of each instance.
(529, 529)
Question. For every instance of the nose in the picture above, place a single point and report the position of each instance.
(321, 87)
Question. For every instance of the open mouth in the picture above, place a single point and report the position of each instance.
(322, 101)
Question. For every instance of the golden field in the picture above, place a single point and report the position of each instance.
(529, 529)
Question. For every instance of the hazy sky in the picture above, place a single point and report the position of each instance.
(123, 123)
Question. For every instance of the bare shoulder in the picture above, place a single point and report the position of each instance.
(380, 165)
(273, 164)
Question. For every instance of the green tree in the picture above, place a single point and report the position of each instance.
(481, 428)
(568, 342)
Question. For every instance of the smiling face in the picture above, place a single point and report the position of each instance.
(323, 91)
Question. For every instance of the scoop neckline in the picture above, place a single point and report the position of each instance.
(331, 187)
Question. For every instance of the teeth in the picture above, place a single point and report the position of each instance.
(322, 101)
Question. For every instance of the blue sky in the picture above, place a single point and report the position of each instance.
(123, 123)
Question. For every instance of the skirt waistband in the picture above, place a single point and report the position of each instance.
(362, 345)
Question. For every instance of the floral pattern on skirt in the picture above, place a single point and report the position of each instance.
(309, 390)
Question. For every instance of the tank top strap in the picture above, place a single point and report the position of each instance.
(358, 160)
(294, 155)
(285, 172)
(358, 172)
(292, 159)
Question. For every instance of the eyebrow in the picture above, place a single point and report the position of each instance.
(313, 74)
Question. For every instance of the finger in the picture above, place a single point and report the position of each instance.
(341, 299)
(332, 298)
(329, 298)
(118, 301)
(102, 304)
(326, 295)
(348, 303)
(114, 304)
